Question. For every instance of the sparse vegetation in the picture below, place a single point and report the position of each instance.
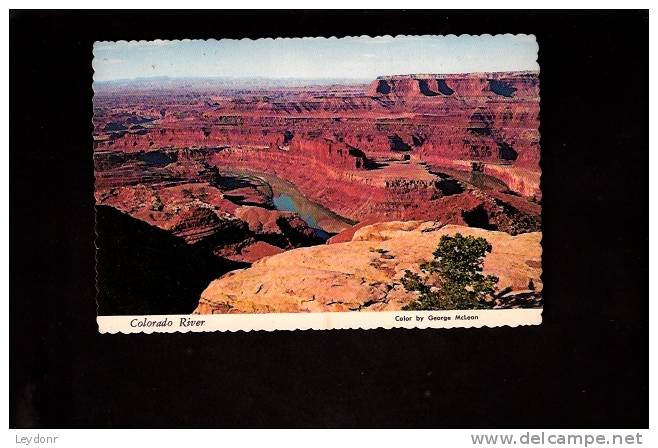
(453, 279)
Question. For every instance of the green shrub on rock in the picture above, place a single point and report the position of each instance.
(453, 280)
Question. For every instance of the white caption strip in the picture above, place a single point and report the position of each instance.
(318, 321)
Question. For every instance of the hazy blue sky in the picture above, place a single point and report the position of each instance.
(316, 58)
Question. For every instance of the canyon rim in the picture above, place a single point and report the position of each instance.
(358, 182)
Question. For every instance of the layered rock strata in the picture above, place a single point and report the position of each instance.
(188, 198)
(460, 149)
(452, 120)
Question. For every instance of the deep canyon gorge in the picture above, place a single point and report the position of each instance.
(286, 197)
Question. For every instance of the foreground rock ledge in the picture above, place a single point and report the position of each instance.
(362, 274)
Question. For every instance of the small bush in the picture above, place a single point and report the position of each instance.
(453, 280)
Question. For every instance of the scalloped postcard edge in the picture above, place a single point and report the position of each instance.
(302, 321)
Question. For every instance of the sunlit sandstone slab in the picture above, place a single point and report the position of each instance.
(363, 274)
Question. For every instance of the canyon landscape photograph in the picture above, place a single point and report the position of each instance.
(315, 175)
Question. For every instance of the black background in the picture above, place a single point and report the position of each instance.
(585, 366)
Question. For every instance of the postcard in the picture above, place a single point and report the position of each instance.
(317, 183)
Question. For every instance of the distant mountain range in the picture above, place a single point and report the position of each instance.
(166, 82)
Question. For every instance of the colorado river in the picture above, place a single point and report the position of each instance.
(286, 197)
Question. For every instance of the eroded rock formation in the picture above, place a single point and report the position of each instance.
(445, 120)
(460, 149)
(230, 217)
(364, 273)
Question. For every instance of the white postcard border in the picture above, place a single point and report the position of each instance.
(198, 323)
